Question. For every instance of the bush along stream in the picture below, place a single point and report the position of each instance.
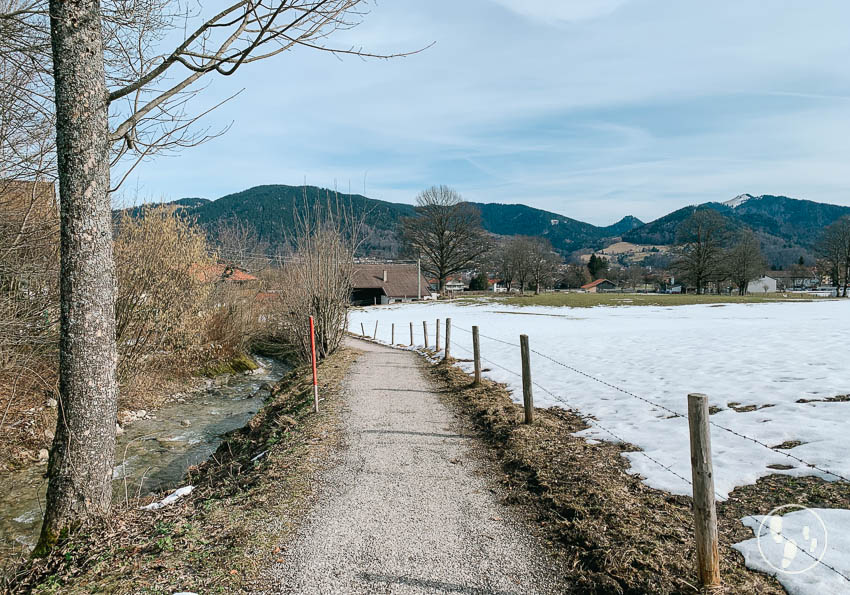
(154, 449)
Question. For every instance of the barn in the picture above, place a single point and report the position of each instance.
(599, 286)
(387, 283)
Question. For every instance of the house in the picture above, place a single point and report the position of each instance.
(387, 283)
(452, 285)
(599, 286)
(798, 278)
(763, 285)
(497, 286)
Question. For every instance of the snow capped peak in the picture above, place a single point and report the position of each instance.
(738, 200)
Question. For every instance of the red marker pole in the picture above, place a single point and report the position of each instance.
(315, 378)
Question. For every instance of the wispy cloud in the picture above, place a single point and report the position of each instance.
(633, 107)
(553, 11)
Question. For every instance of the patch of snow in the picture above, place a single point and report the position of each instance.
(799, 551)
(170, 499)
(751, 354)
(765, 355)
(738, 200)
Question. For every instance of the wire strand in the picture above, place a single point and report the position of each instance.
(668, 410)
(667, 468)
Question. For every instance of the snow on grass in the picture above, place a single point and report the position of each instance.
(800, 550)
(763, 355)
(760, 357)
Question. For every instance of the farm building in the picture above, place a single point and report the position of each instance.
(599, 286)
(386, 283)
(797, 278)
(763, 285)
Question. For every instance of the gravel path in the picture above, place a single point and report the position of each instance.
(407, 509)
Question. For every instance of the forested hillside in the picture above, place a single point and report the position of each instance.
(270, 210)
(786, 227)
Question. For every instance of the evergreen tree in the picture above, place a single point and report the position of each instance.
(597, 266)
(478, 283)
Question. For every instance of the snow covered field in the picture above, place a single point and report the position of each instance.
(763, 355)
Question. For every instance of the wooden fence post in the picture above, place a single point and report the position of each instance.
(446, 353)
(362, 331)
(702, 473)
(411, 334)
(392, 334)
(375, 334)
(527, 397)
(437, 347)
(476, 355)
(425, 332)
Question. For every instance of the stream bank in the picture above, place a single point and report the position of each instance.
(153, 450)
(248, 498)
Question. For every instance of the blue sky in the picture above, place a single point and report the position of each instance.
(594, 109)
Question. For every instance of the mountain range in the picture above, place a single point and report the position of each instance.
(787, 227)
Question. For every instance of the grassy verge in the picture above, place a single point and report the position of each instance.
(589, 300)
(248, 498)
(618, 535)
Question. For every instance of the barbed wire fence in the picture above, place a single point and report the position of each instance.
(673, 413)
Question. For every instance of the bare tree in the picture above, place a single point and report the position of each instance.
(446, 231)
(317, 278)
(576, 276)
(636, 275)
(701, 236)
(519, 250)
(504, 263)
(543, 263)
(118, 99)
(744, 261)
(237, 242)
(834, 248)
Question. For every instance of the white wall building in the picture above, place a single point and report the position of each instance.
(763, 285)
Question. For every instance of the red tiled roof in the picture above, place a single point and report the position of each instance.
(595, 283)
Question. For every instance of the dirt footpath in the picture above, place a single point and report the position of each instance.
(407, 508)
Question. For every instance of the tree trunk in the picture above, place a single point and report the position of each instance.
(82, 455)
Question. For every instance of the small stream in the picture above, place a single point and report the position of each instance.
(152, 454)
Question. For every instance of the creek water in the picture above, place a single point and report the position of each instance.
(151, 455)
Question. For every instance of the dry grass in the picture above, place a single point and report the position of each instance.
(221, 537)
(617, 534)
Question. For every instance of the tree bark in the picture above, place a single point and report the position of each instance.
(82, 455)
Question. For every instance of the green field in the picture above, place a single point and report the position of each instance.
(588, 300)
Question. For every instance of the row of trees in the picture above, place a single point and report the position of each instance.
(711, 253)
(446, 234)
